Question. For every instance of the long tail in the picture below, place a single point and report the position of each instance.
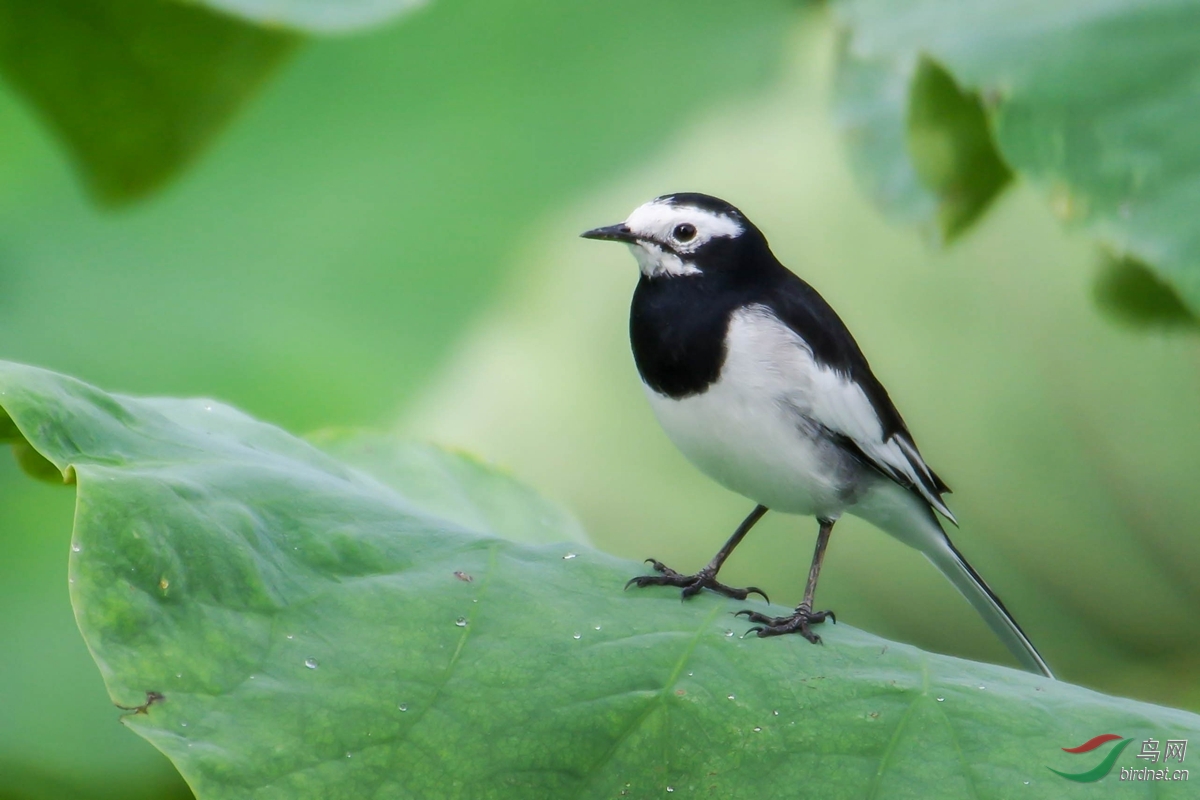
(909, 518)
(951, 563)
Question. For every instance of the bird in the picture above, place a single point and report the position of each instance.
(756, 379)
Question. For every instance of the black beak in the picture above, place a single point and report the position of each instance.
(612, 233)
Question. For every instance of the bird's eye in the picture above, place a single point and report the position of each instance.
(684, 232)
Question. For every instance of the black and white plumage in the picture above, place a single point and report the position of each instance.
(759, 383)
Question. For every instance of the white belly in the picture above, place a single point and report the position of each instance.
(748, 431)
(753, 446)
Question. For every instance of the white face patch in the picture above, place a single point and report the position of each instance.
(669, 233)
(654, 260)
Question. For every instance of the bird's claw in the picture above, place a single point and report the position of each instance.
(798, 622)
(691, 584)
(642, 581)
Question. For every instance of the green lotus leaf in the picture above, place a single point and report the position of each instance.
(281, 624)
(135, 89)
(1094, 103)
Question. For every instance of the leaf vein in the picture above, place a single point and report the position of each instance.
(898, 733)
(651, 704)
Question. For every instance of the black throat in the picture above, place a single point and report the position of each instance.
(678, 324)
(677, 331)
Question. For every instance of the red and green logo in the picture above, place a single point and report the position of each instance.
(1104, 767)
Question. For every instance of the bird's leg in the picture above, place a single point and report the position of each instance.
(804, 616)
(707, 577)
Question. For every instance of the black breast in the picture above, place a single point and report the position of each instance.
(677, 329)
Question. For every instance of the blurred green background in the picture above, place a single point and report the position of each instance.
(387, 236)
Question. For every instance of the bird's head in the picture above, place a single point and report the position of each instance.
(685, 234)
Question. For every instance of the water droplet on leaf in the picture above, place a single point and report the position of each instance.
(569, 556)
(461, 622)
(403, 706)
(76, 548)
(941, 699)
(576, 636)
(311, 663)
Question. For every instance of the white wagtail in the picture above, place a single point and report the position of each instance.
(760, 384)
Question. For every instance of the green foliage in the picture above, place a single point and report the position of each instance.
(1132, 294)
(919, 143)
(30, 460)
(319, 265)
(871, 106)
(137, 89)
(305, 630)
(315, 16)
(134, 88)
(455, 487)
(1093, 102)
(951, 148)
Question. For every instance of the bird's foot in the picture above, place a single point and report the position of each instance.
(692, 584)
(798, 622)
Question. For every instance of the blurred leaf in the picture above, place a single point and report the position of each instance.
(8, 429)
(871, 107)
(134, 88)
(35, 465)
(454, 486)
(59, 737)
(1093, 102)
(31, 460)
(919, 144)
(309, 632)
(951, 148)
(1133, 294)
(315, 16)
(321, 263)
(21, 782)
